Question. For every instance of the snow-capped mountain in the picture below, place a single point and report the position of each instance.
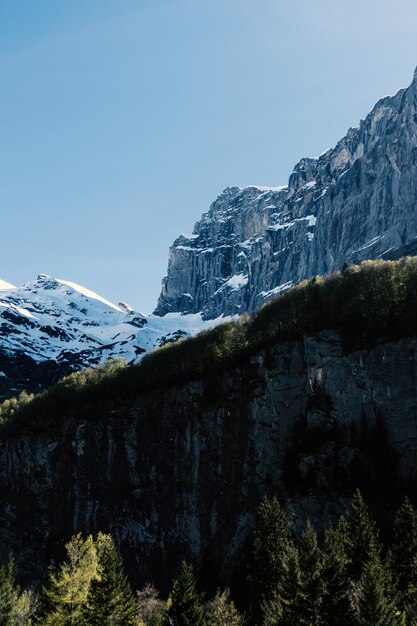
(354, 202)
(50, 327)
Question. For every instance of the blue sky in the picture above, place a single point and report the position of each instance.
(121, 121)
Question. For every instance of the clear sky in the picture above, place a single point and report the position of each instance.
(122, 120)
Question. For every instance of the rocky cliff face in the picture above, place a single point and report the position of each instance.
(179, 471)
(354, 202)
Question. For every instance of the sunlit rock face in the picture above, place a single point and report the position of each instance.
(354, 202)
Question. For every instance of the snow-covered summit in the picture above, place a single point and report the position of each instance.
(67, 326)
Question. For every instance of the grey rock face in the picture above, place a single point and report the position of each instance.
(178, 472)
(354, 202)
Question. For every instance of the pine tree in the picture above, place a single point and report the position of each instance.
(184, 603)
(373, 598)
(110, 599)
(67, 588)
(222, 610)
(17, 608)
(24, 610)
(404, 558)
(362, 537)
(282, 608)
(336, 602)
(272, 537)
(7, 578)
(310, 599)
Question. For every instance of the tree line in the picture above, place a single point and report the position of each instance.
(367, 302)
(345, 577)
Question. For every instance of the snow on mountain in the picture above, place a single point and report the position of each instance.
(355, 201)
(5, 285)
(62, 324)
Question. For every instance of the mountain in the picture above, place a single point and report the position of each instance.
(51, 327)
(356, 201)
(173, 456)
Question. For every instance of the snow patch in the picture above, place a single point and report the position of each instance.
(88, 293)
(311, 219)
(309, 185)
(19, 309)
(5, 285)
(189, 236)
(369, 244)
(276, 290)
(266, 188)
(236, 282)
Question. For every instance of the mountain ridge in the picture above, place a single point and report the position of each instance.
(51, 327)
(355, 201)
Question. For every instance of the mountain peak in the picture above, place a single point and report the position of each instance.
(355, 202)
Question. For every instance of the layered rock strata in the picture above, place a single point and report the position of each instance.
(356, 201)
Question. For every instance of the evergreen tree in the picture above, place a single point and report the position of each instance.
(282, 608)
(25, 604)
(373, 598)
(336, 602)
(362, 537)
(272, 537)
(404, 558)
(7, 577)
(184, 603)
(67, 588)
(110, 599)
(310, 598)
(222, 610)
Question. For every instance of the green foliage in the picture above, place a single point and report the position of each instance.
(184, 603)
(282, 606)
(337, 586)
(11, 406)
(110, 600)
(376, 299)
(81, 387)
(68, 586)
(310, 598)
(222, 610)
(373, 598)
(25, 605)
(7, 581)
(404, 558)
(362, 541)
(17, 608)
(271, 539)
(341, 581)
(150, 608)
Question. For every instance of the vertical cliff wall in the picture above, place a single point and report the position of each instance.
(356, 201)
(179, 471)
